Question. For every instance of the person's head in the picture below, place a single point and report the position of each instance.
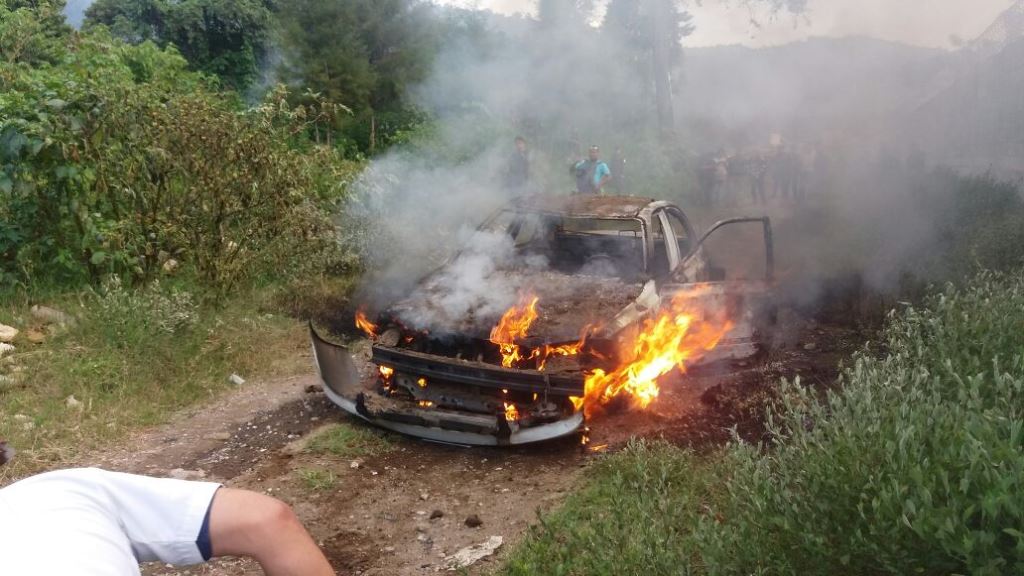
(520, 143)
(595, 153)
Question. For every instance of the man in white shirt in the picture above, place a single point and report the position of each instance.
(90, 522)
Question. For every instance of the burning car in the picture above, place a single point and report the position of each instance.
(555, 307)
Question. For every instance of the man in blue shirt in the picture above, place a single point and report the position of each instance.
(591, 174)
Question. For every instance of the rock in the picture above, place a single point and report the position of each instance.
(5, 348)
(219, 436)
(473, 554)
(474, 521)
(436, 514)
(170, 266)
(52, 315)
(182, 474)
(424, 495)
(389, 548)
(35, 336)
(810, 347)
(21, 418)
(236, 379)
(30, 425)
(73, 403)
(422, 537)
(355, 464)
(8, 333)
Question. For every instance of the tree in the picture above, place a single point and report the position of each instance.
(559, 13)
(32, 31)
(363, 53)
(226, 38)
(650, 32)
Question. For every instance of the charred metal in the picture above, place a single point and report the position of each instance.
(597, 265)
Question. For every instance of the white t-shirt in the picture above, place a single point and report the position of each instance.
(90, 522)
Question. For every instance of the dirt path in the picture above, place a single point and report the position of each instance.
(405, 511)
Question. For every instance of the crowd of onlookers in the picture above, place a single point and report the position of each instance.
(783, 171)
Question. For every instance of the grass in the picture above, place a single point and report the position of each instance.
(317, 478)
(633, 515)
(350, 441)
(915, 465)
(132, 359)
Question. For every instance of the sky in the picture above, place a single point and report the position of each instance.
(932, 23)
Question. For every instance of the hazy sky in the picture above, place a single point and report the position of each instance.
(921, 22)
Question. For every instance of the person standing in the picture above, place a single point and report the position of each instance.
(758, 175)
(517, 173)
(591, 174)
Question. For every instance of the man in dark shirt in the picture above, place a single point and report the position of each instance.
(517, 173)
(591, 174)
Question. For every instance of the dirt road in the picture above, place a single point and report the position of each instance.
(404, 511)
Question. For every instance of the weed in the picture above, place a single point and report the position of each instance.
(132, 359)
(350, 441)
(913, 466)
(317, 478)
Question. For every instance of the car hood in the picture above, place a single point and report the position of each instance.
(566, 304)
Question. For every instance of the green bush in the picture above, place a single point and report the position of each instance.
(914, 465)
(116, 158)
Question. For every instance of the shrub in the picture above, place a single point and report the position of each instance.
(117, 157)
(915, 465)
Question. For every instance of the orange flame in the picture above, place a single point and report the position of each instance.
(546, 351)
(364, 324)
(511, 412)
(675, 337)
(513, 326)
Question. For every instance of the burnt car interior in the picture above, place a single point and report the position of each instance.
(608, 247)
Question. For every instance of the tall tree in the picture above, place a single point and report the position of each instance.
(227, 38)
(362, 53)
(555, 13)
(650, 33)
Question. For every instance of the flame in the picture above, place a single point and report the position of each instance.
(547, 351)
(364, 324)
(422, 382)
(513, 326)
(511, 412)
(426, 404)
(386, 372)
(674, 337)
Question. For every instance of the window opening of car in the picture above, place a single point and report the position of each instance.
(606, 247)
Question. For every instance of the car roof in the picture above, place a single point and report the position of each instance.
(584, 205)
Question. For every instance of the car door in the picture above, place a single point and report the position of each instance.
(716, 293)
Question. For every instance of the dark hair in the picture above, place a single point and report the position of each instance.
(520, 139)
